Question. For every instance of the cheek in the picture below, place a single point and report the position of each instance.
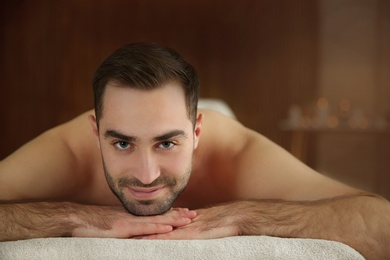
(177, 163)
(114, 164)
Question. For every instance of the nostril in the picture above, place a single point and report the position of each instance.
(149, 177)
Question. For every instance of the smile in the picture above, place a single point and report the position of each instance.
(146, 193)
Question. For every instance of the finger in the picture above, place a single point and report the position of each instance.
(184, 212)
(124, 230)
(174, 235)
(147, 229)
(173, 220)
(141, 229)
(181, 233)
(194, 233)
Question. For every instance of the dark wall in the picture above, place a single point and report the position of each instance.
(259, 56)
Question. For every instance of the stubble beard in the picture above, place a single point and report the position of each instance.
(148, 207)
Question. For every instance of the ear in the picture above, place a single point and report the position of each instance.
(95, 130)
(198, 130)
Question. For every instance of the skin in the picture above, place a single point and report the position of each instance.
(241, 183)
(148, 149)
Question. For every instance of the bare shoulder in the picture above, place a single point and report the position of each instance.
(226, 136)
(247, 165)
(54, 165)
(78, 137)
(213, 178)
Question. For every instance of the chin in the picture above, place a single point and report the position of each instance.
(147, 207)
(151, 207)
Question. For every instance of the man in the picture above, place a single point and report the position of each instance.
(152, 156)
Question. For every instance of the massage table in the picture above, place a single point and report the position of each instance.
(240, 247)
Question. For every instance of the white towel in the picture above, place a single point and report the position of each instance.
(244, 247)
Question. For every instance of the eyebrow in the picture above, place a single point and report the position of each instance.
(116, 134)
(169, 135)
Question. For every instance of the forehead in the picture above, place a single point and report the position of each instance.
(135, 111)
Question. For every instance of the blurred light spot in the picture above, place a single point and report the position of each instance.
(333, 122)
(322, 103)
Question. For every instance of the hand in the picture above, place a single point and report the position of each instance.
(215, 222)
(116, 222)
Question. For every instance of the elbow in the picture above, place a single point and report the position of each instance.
(375, 249)
(375, 243)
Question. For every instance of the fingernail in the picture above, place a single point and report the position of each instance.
(192, 212)
(168, 228)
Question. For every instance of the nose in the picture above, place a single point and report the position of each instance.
(146, 168)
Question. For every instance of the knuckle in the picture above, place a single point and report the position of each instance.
(155, 219)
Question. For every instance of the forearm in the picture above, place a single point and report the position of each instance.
(38, 219)
(58, 219)
(363, 222)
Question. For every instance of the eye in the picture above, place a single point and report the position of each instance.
(122, 145)
(166, 145)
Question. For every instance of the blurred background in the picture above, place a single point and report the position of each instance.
(311, 75)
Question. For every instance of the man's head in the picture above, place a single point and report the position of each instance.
(145, 98)
(146, 66)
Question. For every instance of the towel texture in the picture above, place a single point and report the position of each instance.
(244, 247)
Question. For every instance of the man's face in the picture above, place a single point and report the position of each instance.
(147, 142)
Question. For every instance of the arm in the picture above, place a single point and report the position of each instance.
(63, 164)
(361, 221)
(55, 219)
(277, 195)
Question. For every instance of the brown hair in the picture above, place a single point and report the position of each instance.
(146, 66)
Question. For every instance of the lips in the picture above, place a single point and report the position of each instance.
(146, 193)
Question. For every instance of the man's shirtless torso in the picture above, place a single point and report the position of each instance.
(73, 169)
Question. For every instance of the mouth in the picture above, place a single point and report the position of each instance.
(146, 193)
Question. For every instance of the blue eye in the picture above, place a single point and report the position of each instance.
(166, 145)
(122, 145)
